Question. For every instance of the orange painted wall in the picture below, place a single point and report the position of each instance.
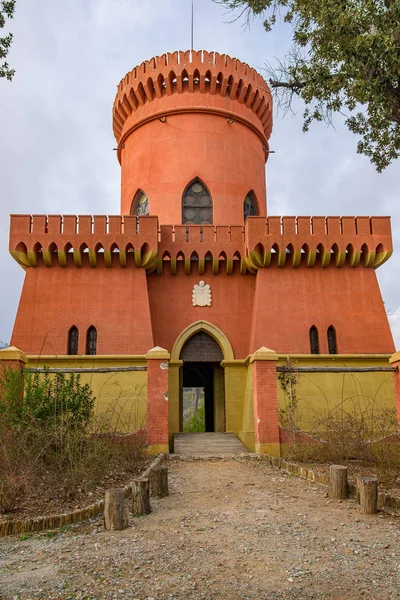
(289, 301)
(276, 309)
(163, 158)
(231, 309)
(114, 300)
(134, 312)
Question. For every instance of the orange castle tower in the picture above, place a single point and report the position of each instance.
(193, 269)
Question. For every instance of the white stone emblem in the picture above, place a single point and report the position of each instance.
(201, 295)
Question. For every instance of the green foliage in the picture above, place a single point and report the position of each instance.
(45, 423)
(7, 8)
(288, 381)
(345, 58)
(50, 434)
(58, 397)
(44, 398)
(196, 422)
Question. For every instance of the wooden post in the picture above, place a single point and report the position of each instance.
(337, 482)
(367, 494)
(159, 481)
(115, 513)
(141, 496)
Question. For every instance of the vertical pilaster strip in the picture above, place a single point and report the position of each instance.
(13, 358)
(265, 394)
(157, 400)
(395, 362)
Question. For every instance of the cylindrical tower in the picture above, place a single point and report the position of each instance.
(192, 130)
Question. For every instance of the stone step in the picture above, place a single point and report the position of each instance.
(188, 444)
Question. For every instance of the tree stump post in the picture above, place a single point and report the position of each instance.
(141, 496)
(338, 482)
(159, 481)
(115, 513)
(367, 495)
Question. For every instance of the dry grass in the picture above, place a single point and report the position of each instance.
(51, 439)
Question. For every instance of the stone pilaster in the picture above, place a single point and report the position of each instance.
(157, 400)
(265, 394)
(395, 362)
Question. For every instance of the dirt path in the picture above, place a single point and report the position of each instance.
(231, 529)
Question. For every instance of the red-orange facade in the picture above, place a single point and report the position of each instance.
(180, 121)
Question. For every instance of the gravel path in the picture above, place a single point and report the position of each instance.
(229, 529)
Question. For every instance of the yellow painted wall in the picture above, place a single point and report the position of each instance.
(235, 386)
(319, 392)
(174, 400)
(123, 394)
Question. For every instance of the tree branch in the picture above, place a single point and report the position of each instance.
(294, 86)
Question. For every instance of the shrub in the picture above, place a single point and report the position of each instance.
(48, 429)
(196, 422)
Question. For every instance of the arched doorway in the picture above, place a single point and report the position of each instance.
(175, 376)
(202, 395)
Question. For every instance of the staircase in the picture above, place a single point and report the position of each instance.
(214, 444)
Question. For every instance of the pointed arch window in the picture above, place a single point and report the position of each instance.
(73, 339)
(314, 340)
(197, 204)
(332, 345)
(91, 341)
(140, 204)
(250, 208)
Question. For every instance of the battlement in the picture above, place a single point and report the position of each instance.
(324, 240)
(140, 241)
(66, 239)
(197, 81)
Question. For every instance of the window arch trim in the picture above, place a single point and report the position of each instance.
(332, 340)
(91, 341)
(251, 208)
(314, 340)
(73, 341)
(140, 206)
(197, 204)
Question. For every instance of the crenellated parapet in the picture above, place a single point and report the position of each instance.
(199, 81)
(139, 241)
(71, 240)
(318, 240)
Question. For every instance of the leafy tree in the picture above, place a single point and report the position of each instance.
(7, 8)
(345, 58)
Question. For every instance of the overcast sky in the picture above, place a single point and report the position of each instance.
(57, 143)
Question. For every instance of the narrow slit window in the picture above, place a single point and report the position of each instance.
(250, 206)
(91, 341)
(332, 345)
(197, 206)
(73, 339)
(314, 341)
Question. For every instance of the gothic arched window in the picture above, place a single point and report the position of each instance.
(250, 208)
(332, 346)
(91, 340)
(73, 338)
(314, 341)
(140, 205)
(197, 204)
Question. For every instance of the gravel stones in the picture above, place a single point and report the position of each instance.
(230, 529)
